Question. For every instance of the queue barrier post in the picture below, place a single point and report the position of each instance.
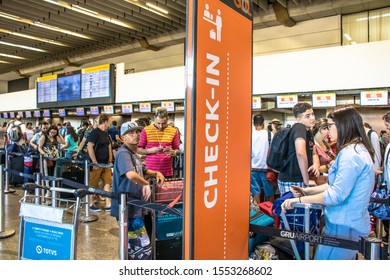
(7, 189)
(123, 228)
(3, 232)
(38, 192)
(87, 216)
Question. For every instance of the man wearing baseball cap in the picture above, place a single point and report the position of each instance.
(129, 177)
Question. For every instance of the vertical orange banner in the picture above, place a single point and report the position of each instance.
(218, 129)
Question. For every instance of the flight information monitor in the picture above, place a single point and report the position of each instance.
(97, 84)
(46, 113)
(61, 112)
(47, 91)
(80, 111)
(68, 88)
(37, 114)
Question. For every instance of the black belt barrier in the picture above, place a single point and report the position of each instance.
(363, 246)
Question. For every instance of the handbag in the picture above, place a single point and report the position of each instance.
(379, 203)
(272, 177)
(170, 192)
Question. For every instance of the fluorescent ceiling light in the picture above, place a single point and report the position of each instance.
(91, 13)
(37, 23)
(9, 16)
(80, 9)
(22, 46)
(5, 62)
(33, 37)
(11, 56)
(150, 7)
(373, 17)
(55, 28)
(156, 8)
(347, 37)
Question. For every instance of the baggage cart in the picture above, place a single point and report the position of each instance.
(167, 229)
(48, 225)
(306, 219)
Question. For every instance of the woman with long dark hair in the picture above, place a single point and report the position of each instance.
(71, 142)
(350, 182)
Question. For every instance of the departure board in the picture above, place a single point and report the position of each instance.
(28, 114)
(95, 82)
(47, 89)
(68, 86)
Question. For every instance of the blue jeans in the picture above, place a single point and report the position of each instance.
(335, 253)
(259, 180)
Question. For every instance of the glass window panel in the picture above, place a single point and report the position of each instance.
(379, 25)
(355, 28)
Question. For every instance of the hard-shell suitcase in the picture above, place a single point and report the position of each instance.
(17, 164)
(260, 219)
(70, 172)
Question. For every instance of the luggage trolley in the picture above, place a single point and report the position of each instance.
(48, 226)
(304, 218)
(167, 229)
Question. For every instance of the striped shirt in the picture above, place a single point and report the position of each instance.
(153, 137)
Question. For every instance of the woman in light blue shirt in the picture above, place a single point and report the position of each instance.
(71, 142)
(350, 184)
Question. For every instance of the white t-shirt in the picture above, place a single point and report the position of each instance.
(29, 134)
(260, 146)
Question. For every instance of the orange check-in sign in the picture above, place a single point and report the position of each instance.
(218, 129)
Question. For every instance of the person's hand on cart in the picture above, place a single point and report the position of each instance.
(146, 192)
(297, 191)
(160, 179)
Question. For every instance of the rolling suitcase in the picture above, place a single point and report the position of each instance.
(260, 219)
(17, 164)
(70, 172)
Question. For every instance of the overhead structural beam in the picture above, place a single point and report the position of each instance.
(282, 14)
(144, 43)
(283, 3)
(262, 4)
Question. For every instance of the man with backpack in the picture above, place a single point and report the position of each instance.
(261, 139)
(15, 133)
(301, 160)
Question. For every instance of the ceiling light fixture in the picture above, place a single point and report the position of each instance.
(55, 28)
(5, 62)
(33, 37)
(37, 23)
(91, 13)
(22, 46)
(83, 10)
(150, 5)
(12, 56)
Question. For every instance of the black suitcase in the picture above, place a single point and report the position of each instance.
(170, 249)
(17, 164)
(73, 173)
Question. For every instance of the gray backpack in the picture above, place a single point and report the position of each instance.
(15, 133)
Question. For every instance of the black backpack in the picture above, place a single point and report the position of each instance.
(277, 154)
(381, 145)
(15, 133)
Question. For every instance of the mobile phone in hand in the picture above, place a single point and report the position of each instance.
(298, 190)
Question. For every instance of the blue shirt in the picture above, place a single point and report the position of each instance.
(351, 181)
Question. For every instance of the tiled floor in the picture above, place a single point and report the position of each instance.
(97, 240)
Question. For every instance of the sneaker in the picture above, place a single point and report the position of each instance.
(107, 209)
(93, 208)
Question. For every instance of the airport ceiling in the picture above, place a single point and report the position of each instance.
(38, 36)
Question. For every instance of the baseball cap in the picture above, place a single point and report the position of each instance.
(129, 126)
